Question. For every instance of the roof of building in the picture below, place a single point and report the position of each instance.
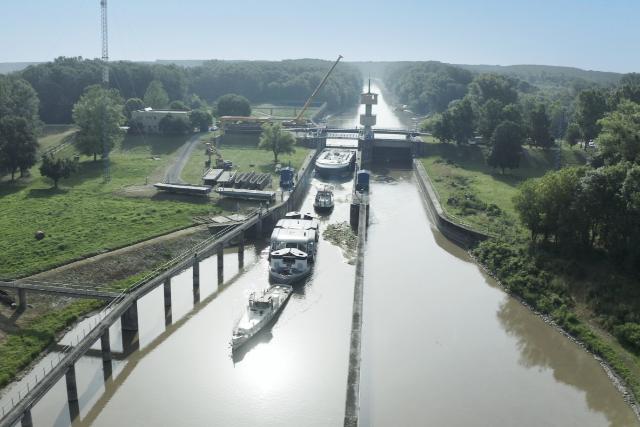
(151, 110)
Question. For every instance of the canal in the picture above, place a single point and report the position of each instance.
(442, 344)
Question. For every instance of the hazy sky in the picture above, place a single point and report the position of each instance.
(591, 34)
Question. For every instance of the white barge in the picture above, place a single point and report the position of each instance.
(263, 307)
(335, 162)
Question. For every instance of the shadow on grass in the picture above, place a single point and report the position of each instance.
(157, 144)
(39, 193)
(7, 187)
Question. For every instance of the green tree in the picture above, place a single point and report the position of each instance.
(538, 126)
(528, 206)
(489, 117)
(155, 96)
(132, 104)
(620, 136)
(460, 117)
(200, 119)
(629, 88)
(98, 114)
(439, 125)
(18, 145)
(590, 107)
(56, 169)
(233, 105)
(493, 86)
(178, 106)
(172, 125)
(196, 103)
(506, 146)
(573, 134)
(18, 99)
(276, 140)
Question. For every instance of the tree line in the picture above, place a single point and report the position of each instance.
(60, 83)
(595, 207)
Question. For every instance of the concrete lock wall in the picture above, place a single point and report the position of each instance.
(458, 233)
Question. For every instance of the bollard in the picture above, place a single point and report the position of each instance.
(129, 319)
(22, 300)
(72, 393)
(105, 345)
(167, 302)
(26, 420)
(220, 265)
(241, 251)
(196, 279)
(129, 326)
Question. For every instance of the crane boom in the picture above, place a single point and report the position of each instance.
(315, 92)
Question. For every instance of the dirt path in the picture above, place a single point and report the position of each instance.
(174, 170)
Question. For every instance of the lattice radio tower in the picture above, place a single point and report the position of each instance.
(105, 84)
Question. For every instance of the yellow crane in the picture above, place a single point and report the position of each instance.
(299, 118)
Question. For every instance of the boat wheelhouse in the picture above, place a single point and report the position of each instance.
(288, 265)
(324, 200)
(304, 240)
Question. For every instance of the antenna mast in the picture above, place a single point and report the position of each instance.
(105, 84)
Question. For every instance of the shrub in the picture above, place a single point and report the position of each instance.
(629, 334)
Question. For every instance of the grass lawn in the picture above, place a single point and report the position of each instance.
(243, 157)
(468, 187)
(86, 216)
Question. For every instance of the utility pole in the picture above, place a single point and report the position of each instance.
(105, 84)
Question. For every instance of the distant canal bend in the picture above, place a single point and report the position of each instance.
(442, 345)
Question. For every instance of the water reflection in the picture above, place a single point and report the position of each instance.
(542, 350)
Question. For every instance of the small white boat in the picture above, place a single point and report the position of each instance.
(335, 162)
(288, 265)
(324, 200)
(263, 307)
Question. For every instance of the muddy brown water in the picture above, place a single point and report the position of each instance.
(442, 344)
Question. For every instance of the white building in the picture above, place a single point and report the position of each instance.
(149, 119)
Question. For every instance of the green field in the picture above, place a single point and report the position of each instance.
(467, 186)
(86, 216)
(245, 158)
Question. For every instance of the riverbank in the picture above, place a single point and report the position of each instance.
(546, 283)
(27, 335)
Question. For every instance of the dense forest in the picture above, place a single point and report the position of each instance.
(427, 86)
(60, 83)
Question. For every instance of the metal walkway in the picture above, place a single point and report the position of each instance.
(62, 289)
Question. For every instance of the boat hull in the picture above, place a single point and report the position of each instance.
(241, 340)
(287, 279)
(334, 171)
(323, 209)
